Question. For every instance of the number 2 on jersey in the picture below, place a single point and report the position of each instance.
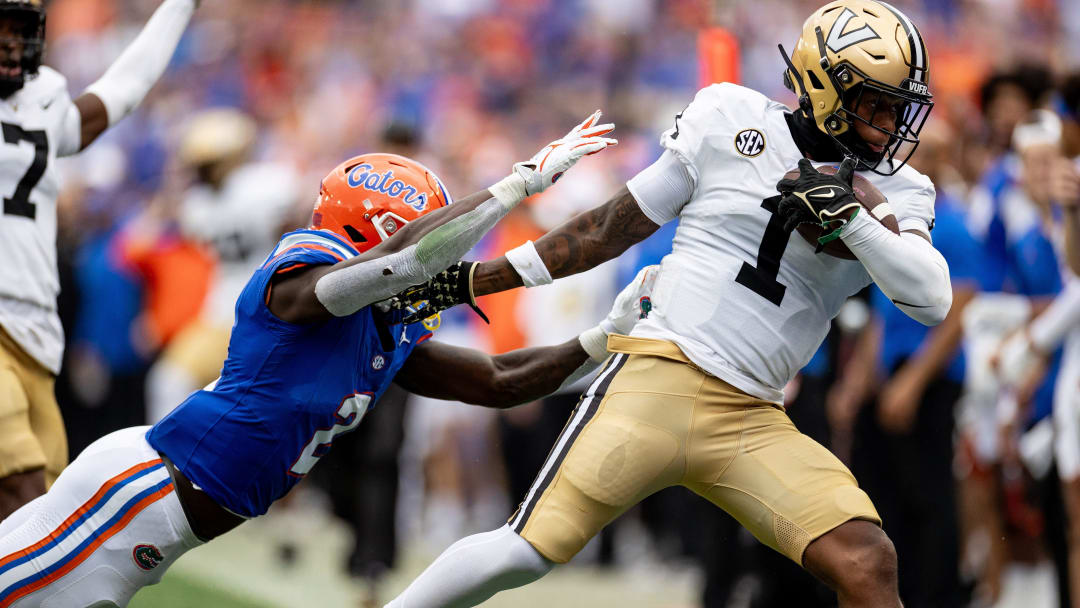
(761, 279)
(19, 202)
(346, 418)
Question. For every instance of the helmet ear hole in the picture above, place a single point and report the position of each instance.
(354, 234)
(814, 80)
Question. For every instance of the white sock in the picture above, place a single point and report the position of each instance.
(473, 569)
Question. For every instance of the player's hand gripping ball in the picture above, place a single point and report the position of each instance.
(818, 202)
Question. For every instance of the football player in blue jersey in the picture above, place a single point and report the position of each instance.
(319, 335)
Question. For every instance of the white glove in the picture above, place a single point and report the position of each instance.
(1016, 357)
(633, 303)
(547, 166)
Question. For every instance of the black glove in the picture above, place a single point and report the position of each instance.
(447, 289)
(817, 198)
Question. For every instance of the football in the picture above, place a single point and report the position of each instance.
(868, 196)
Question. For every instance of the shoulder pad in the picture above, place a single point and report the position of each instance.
(46, 85)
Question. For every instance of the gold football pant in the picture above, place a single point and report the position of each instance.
(32, 432)
(651, 420)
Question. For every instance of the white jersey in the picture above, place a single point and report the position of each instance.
(40, 123)
(242, 223)
(743, 299)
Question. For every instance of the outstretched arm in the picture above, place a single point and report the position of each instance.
(442, 371)
(650, 199)
(449, 372)
(583, 242)
(130, 77)
(431, 243)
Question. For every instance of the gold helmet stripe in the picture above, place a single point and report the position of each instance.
(918, 49)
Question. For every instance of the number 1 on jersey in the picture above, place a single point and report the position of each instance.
(761, 279)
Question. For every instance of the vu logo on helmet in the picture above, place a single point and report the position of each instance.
(863, 53)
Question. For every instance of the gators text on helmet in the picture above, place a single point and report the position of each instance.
(852, 48)
(22, 42)
(368, 198)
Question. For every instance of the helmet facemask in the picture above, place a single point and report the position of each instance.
(911, 111)
(22, 44)
(855, 59)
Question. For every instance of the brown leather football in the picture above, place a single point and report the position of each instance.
(868, 196)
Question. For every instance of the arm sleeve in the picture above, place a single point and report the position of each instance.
(70, 141)
(906, 267)
(129, 78)
(346, 290)
(919, 210)
(663, 188)
(1063, 314)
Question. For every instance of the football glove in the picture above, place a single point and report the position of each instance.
(548, 165)
(818, 198)
(633, 303)
(447, 289)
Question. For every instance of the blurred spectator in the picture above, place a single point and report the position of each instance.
(236, 209)
(903, 449)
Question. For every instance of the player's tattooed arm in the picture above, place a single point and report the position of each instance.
(585, 241)
(442, 371)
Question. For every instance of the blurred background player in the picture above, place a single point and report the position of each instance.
(236, 208)
(903, 438)
(40, 124)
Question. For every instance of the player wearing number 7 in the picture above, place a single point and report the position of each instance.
(694, 395)
(312, 348)
(40, 122)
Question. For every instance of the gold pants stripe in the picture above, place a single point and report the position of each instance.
(579, 419)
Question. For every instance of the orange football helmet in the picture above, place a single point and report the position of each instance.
(368, 198)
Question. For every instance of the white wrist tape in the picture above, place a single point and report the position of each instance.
(510, 190)
(130, 77)
(594, 341)
(526, 261)
(346, 290)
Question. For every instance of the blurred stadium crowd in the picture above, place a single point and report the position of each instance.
(162, 220)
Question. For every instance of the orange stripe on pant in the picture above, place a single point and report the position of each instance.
(80, 511)
(86, 552)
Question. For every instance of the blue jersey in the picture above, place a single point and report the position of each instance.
(286, 390)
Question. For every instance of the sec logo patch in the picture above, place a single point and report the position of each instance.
(750, 142)
(377, 362)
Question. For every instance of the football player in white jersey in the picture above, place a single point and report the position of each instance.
(694, 395)
(41, 122)
(237, 208)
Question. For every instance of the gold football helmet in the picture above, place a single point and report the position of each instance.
(852, 48)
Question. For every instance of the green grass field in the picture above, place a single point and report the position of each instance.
(179, 591)
(242, 570)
